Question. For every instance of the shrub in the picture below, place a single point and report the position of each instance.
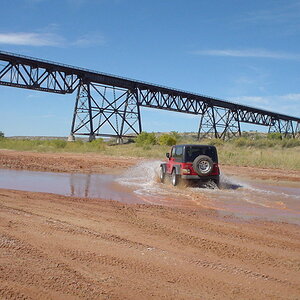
(167, 140)
(145, 138)
(216, 142)
(175, 135)
(59, 144)
(241, 142)
(274, 136)
(97, 144)
(1, 134)
(290, 143)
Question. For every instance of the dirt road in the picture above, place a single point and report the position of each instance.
(56, 247)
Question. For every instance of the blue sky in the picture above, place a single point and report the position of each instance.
(242, 51)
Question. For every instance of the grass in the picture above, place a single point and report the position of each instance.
(284, 158)
(260, 152)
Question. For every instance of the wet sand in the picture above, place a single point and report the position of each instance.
(58, 247)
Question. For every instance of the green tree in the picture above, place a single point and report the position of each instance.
(274, 136)
(167, 139)
(175, 134)
(1, 134)
(146, 139)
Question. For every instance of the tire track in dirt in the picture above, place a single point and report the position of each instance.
(239, 271)
(58, 225)
(138, 268)
(131, 214)
(7, 291)
(145, 271)
(218, 247)
(88, 249)
(50, 273)
(193, 221)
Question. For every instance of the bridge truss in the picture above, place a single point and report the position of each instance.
(107, 105)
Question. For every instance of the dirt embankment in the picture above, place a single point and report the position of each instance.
(64, 162)
(262, 173)
(56, 247)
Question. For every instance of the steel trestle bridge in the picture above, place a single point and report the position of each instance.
(108, 105)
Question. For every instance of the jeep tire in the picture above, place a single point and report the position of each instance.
(203, 165)
(174, 178)
(162, 174)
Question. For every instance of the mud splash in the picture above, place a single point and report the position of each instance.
(143, 180)
(245, 198)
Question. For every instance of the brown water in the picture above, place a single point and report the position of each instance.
(270, 200)
(245, 198)
(68, 184)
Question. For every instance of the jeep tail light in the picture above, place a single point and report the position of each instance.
(185, 171)
(216, 170)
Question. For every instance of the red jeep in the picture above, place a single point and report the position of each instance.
(191, 162)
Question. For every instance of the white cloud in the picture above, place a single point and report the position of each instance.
(256, 53)
(288, 104)
(33, 96)
(291, 97)
(31, 39)
(35, 1)
(253, 99)
(89, 40)
(49, 39)
(279, 14)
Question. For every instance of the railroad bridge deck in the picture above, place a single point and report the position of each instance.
(109, 105)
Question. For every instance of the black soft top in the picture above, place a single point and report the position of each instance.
(191, 151)
(196, 145)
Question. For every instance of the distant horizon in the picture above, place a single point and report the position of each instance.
(99, 136)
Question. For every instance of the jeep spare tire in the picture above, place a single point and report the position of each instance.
(203, 165)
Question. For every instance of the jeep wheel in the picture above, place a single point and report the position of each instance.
(175, 178)
(203, 165)
(162, 175)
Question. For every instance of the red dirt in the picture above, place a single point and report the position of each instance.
(263, 173)
(56, 247)
(63, 162)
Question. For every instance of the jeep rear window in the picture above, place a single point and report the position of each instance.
(191, 152)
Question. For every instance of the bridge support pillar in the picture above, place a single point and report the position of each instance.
(297, 130)
(219, 123)
(71, 138)
(287, 128)
(102, 110)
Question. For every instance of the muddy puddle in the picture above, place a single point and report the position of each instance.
(68, 184)
(244, 198)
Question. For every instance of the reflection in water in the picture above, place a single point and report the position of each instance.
(78, 185)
